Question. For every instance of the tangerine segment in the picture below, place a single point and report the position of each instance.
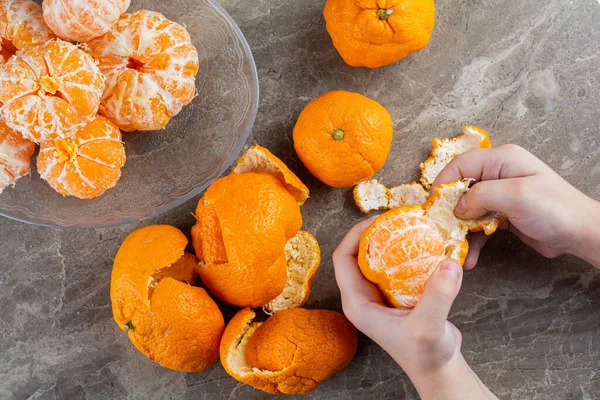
(82, 21)
(244, 222)
(15, 155)
(150, 64)
(50, 91)
(400, 251)
(259, 159)
(444, 150)
(303, 256)
(170, 321)
(291, 353)
(86, 164)
(373, 33)
(21, 26)
(343, 137)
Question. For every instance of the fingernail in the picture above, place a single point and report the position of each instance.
(451, 270)
(461, 207)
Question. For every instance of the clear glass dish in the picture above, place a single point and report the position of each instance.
(168, 167)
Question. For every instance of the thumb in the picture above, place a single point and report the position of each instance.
(440, 292)
(502, 195)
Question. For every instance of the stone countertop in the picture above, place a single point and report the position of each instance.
(526, 70)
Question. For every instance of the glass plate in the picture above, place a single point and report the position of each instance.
(168, 167)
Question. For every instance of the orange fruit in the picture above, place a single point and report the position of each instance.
(373, 33)
(21, 26)
(15, 155)
(343, 137)
(50, 91)
(86, 164)
(244, 223)
(444, 150)
(402, 248)
(291, 353)
(150, 64)
(371, 195)
(156, 301)
(82, 21)
(259, 159)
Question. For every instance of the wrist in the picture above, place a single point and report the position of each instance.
(454, 380)
(587, 244)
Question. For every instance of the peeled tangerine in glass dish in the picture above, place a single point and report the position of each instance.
(131, 71)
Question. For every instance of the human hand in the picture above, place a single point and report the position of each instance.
(543, 209)
(421, 341)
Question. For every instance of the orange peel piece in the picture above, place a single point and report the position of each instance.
(370, 195)
(259, 159)
(444, 150)
(303, 257)
(402, 248)
(291, 353)
(170, 321)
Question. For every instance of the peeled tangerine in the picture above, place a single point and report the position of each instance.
(15, 155)
(291, 353)
(402, 248)
(150, 64)
(81, 21)
(86, 164)
(50, 91)
(156, 300)
(21, 26)
(248, 236)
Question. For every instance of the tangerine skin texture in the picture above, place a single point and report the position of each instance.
(82, 21)
(368, 132)
(15, 156)
(21, 24)
(50, 91)
(179, 326)
(86, 164)
(293, 351)
(145, 96)
(363, 39)
(244, 222)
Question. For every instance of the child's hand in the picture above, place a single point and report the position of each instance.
(421, 341)
(543, 210)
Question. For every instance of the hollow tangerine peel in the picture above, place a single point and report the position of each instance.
(370, 195)
(343, 138)
(21, 26)
(444, 150)
(303, 256)
(291, 353)
(243, 224)
(82, 21)
(50, 91)
(150, 65)
(15, 156)
(400, 251)
(86, 164)
(259, 159)
(170, 321)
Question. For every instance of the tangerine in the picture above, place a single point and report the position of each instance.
(150, 64)
(82, 21)
(343, 137)
(15, 156)
(86, 164)
(50, 91)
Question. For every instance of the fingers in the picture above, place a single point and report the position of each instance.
(503, 195)
(354, 288)
(476, 243)
(440, 292)
(508, 161)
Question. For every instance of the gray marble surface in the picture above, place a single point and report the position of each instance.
(526, 70)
